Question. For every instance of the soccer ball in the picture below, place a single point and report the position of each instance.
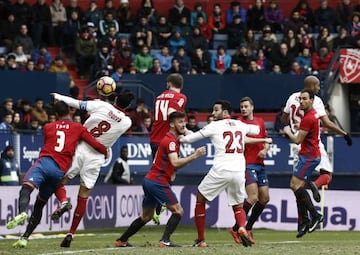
(106, 86)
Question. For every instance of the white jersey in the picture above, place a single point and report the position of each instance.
(106, 123)
(292, 108)
(228, 138)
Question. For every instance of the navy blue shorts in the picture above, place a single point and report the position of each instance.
(45, 175)
(157, 194)
(305, 167)
(256, 173)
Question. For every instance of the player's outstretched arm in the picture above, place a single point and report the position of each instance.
(192, 137)
(180, 162)
(332, 126)
(68, 100)
(252, 140)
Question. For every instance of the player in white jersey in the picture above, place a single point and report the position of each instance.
(228, 171)
(293, 114)
(106, 123)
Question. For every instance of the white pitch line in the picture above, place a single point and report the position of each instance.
(282, 242)
(83, 251)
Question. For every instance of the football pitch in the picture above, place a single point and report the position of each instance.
(219, 241)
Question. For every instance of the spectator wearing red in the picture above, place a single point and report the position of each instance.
(321, 59)
(217, 19)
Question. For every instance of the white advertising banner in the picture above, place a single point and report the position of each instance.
(117, 206)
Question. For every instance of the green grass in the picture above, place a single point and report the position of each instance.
(220, 243)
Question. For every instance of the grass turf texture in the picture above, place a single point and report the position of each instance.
(220, 243)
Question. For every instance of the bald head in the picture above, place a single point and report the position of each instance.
(313, 83)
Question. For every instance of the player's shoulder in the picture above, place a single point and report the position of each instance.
(294, 96)
(258, 120)
(318, 100)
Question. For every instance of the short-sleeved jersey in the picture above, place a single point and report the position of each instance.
(162, 170)
(228, 138)
(292, 108)
(167, 99)
(252, 150)
(106, 122)
(310, 123)
(60, 140)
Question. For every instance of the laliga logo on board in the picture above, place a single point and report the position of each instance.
(349, 65)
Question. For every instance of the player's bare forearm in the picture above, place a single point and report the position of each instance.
(181, 162)
(252, 140)
(295, 138)
(331, 125)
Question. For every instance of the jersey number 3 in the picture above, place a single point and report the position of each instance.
(234, 142)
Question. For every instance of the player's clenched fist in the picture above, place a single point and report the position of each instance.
(201, 151)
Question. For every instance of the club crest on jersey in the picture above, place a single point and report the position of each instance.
(172, 146)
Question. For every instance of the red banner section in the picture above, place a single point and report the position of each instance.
(349, 65)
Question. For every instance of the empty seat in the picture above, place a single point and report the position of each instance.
(220, 39)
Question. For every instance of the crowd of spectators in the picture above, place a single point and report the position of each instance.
(124, 40)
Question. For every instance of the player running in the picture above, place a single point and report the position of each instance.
(157, 183)
(60, 140)
(228, 171)
(257, 183)
(106, 123)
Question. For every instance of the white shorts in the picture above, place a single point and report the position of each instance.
(86, 163)
(324, 163)
(217, 181)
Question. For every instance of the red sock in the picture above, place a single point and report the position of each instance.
(200, 215)
(78, 213)
(240, 216)
(60, 193)
(323, 179)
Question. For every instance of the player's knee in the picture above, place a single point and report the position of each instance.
(264, 200)
(146, 218)
(252, 199)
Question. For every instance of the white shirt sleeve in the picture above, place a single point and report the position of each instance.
(287, 105)
(68, 100)
(206, 131)
(193, 137)
(253, 129)
(319, 107)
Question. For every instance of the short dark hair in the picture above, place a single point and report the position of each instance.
(176, 80)
(244, 99)
(309, 91)
(124, 99)
(61, 109)
(225, 105)
(176, 115)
